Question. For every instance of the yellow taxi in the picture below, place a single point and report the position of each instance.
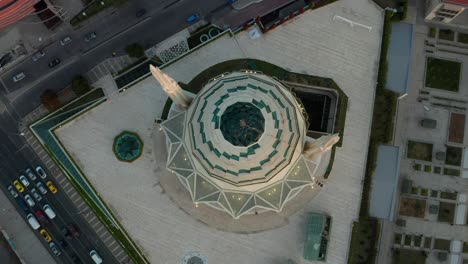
(18, 186)
(45, 235)
(52, 187)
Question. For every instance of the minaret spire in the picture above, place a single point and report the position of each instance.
(171, 87)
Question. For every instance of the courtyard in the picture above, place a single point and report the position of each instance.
(132, 190)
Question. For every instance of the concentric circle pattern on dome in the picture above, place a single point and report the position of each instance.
(242, 124)
(234, 170)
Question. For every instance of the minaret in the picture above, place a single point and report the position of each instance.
(312, 150)
(171, 88)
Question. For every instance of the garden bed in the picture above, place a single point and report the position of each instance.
(451, 172)
(462, 38)
(446, 212)
(442, 244)
(442, 74)
(412, 207)
(457, 128)
(363, 244)
(406, 256)
(446, 34)
(453, 156)
(419, 150)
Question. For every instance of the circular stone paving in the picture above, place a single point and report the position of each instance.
(128, 146)
(242, 124)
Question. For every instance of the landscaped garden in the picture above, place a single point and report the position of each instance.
(419, 150)
(446, 212)
(451, 172)
(442, 74)
(453, 156)
(457, 128)
(412, 207)
(448, 195)
(432, 32)
(406, 256)
(362, 241)
(446, 34)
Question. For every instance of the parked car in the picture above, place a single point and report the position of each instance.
(193, 18)
(36, 194)
(45, 235)
(90, 36)
(41, 172)
(23, 205)
(41, 217)
(54, 62)
(74, 230)
(24, 181)
(12, 191)
(29, 200)
(65, 40)
(41, 187)
(52, 187)
(140, 12)
(31, 174)
(38, 55)
(33, 222)
(54, 249)
(63, 244)
(49, 212)
(18, 77)
(66, 233)
(95, 257)
(18, 186)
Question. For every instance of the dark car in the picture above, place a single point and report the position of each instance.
(66, 233)
(41, 217)
(22, 204)
(63, 244)
(74, 230)
(140, 12)
(90, 36)
(54, 62)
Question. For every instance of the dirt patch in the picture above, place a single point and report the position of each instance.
(412, 207)
(457, 128)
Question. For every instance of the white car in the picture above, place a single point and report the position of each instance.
(12, 191)
(95, 256)
(36, 194)
(18, 77)
(41, 172)
(24, 181)
(31, 174)
(65, 40)
(38, 55)
(41, 187)
(29, 200)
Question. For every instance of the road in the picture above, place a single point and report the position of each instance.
(163, 19)
(79, 56)
(13, 161)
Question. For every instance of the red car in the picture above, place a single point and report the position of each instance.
(41, 217)
(74, 230)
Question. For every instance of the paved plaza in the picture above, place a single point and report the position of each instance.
(322, 46)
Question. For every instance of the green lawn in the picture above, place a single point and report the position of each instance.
(448, 195)
(419, 150)
(397, 239)
(407, 256)
(442, 74)
(446, 212)
(427, 168)
(463, 38)
(432, 32)
(446, 34)
(454, 156)
(437, 170)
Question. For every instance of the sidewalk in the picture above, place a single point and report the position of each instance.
(28, 246)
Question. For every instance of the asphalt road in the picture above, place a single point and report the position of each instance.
(14, 161)
(79, 56)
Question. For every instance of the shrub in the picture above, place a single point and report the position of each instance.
(50, 100)
(80, 85)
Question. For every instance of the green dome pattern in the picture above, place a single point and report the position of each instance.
(127, 146)
(242, 124)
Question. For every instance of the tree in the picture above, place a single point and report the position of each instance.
(135, 50)
(50, 100)
(80, 85)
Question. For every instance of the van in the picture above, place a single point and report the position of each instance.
(33, 221)
(95, 256)
(49, 212)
